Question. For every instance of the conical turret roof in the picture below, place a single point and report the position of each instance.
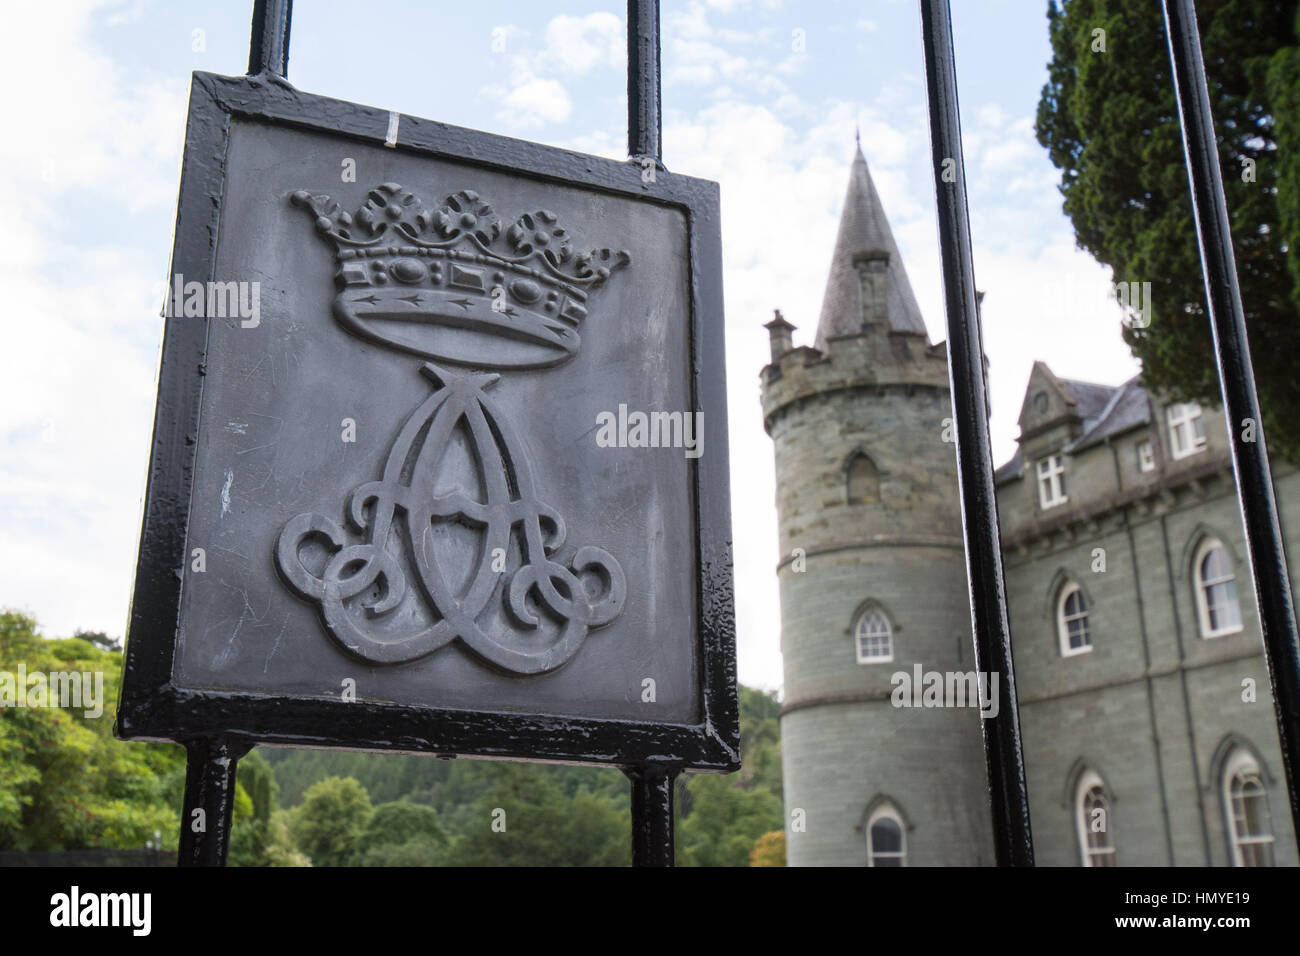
(864, 229)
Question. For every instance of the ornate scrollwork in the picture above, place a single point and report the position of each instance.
(362, 588)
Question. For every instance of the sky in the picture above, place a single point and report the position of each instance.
(763, 96)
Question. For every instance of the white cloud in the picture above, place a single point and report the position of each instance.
(698, 54)
(81, 331)
(579, 44)
(535, 101)
(535, 94)
(793, 64)
(731, 6)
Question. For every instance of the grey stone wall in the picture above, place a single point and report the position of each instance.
(1154, 706)
(844, 744)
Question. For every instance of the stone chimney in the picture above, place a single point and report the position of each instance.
(779, 331)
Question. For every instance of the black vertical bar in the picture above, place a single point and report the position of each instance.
(652, 786)
(1237, 380)
(644, 130)
(1003, 751)
(652, 814)
(210, 788)
(268, 45)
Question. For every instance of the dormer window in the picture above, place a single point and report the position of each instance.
(1051, 482)
(873, 285)
(1186, 429)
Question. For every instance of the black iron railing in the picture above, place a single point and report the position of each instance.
(210, 786)
(1003, 749)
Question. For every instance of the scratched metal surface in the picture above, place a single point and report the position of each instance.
(270, 446)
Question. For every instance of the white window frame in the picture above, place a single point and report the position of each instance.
(1202, 587)
(873, 612)
(1063, 620)
(1186, 429)
(887, 811)
(1242, 764)
(1146, 456)
(1089, 855)
(1051, 482)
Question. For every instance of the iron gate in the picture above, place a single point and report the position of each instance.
(210, 779)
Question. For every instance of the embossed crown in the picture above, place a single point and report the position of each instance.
(451, 283)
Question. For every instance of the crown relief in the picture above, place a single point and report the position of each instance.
(453, 283)
(392, 213)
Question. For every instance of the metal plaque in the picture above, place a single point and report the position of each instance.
(440, 458)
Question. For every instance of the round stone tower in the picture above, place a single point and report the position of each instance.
(872, 573)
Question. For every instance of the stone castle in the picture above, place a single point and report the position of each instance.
(1144, 696)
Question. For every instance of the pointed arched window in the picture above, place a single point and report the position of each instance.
(874, 637)
(1216, 590)
(886, 842)
(1250, 828)
(1092, 817)
(1072, 627)
(863, 480)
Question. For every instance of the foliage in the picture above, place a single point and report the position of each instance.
(769, 849)
(1283, 84)
(261, 836)
(398, 821)
(1109, 122)
(523, 818)
(760, 739)
(416, 851)
(329, 824)
(65, 781)
(722, 817)
(725, 821)
(402, 833)
(385, 777)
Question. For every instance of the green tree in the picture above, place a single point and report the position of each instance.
(553, 815)
(65, 781)
(1283, 84)
(329, 824)
(524, 818)
(760, 739)
(1109, 122)
(261, 835)
(769, 849)
(402, 833)
(417, 851)
(725, 820)
(401, 820)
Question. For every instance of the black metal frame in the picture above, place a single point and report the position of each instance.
(1004, 753)
(218, 727)
(1003, 750)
